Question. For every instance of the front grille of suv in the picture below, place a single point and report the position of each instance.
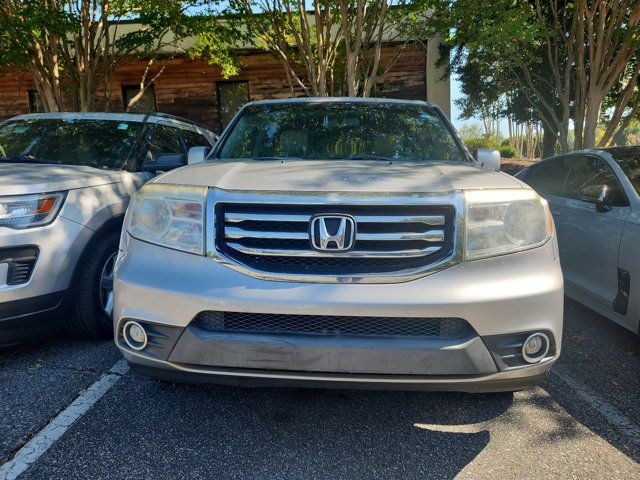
(270, 323)
(388, 239)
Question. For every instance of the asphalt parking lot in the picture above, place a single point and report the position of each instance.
(583, 422)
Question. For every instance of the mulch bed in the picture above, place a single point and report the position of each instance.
(512, 166)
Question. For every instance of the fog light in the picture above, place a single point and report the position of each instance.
(535, 347)
(134, 335)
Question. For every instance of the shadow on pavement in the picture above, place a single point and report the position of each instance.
(605, 358)
(165, 429)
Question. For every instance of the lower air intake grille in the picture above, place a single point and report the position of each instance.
(20, 261)
(333, 325)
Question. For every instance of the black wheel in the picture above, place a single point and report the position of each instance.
(92, 304)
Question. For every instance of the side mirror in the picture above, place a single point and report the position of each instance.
(602, 202)
(197, 155)
(487, 158)
(165, 162)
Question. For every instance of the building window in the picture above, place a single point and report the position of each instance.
(231, 97)
(35, 102)
(145, 104)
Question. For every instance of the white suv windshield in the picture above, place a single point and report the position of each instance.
(341, 130)
(104, 144)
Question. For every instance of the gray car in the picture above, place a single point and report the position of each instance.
(340, 242)
(65, 183)
(595, 201)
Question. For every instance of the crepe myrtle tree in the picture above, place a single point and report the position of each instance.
(324, 44)
(74, 47)
(567, 56)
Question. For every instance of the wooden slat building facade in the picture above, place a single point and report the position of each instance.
(190, 87)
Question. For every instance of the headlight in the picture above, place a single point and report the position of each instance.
(504, 221)
(169, 215)
(25, 211)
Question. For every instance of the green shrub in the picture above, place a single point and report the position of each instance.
(507, 151)
(485, 141)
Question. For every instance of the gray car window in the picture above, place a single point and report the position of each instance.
(629, 160)
(587, 178)
(549, 176)
(195, 139)
(164, 140)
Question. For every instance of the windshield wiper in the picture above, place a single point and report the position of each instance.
(267, 158)
(26, 159)
(383, 158)
(372, 157)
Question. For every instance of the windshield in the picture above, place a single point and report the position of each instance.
(341, 130)
(104, 144)
(629, 160)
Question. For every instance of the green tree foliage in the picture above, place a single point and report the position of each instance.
(73, 48)
(565, 57)
(325, 45)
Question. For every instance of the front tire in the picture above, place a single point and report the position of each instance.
(91, 313)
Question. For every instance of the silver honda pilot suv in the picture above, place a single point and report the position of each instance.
(65, 183)
(340, 242)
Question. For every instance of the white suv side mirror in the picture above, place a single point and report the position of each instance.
(197, 155)
(487, 158)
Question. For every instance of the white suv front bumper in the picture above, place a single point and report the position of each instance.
(504, 297)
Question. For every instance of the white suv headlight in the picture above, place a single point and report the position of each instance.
(26, 211)
(498, 222)
(169, 215)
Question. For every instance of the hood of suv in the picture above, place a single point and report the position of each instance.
(23, 178)
(339, 176)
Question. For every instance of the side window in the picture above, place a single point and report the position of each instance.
(588, 177)
(231, 97)
(146, 103)
(194, 139)
(163, 139)
(549, 176)
(35, 102)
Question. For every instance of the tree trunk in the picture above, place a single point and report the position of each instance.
(549, 140)
(591, 119)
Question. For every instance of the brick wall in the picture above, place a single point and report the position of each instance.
(188, 87)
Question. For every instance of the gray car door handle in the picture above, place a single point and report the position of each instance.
(555, 213)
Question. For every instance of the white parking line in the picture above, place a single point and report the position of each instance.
(45, 438)
(620, 422)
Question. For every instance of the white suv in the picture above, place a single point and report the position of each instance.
(340, 242)
(65, 183)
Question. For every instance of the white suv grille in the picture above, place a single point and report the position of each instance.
(276, 239)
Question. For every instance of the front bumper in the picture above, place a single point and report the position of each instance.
(33, 290)
(503, 299)
(59, 245)
(31, 318)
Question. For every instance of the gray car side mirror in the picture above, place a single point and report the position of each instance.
(602, 202)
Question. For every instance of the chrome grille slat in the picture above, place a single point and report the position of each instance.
(432, 236)
(431, 220)
(274, 238)
(313, 253)
(264, 217)
(435, 220)
(233, 232)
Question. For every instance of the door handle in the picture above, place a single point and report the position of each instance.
(555, 213)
